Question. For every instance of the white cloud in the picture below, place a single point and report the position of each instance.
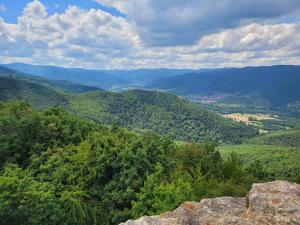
(96, 39)
(121, 5)
(253, 37)
(178, 22)
(75, 35)
(3, 8)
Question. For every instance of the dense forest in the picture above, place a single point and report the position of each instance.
(59, 169)
(138, 110)
(39, 96)
(160, 112)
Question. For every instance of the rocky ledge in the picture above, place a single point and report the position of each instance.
(273, 203)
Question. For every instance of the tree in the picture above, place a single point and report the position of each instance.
(26, 201)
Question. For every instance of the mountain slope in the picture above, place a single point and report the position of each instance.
(161, 112)
(136, 109)
(80, 76)
(277, 84)
(35, 94)
(145, 76)
(289, 138)
(101, 78)
(59, 85)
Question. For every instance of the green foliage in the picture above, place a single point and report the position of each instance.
(24, 132)
(163, 113)
(160, 112)
(69, 171)
(199, 172)
(26, 201)
(159, 195)
(109, 167)
(279, 162)
(39, 96)
(289, 138)
(19, 132)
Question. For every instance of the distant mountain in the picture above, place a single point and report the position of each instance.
(144, 76)
(95, 78)
(137, 110)
(105, 79)
(59, 85)
(279, 85)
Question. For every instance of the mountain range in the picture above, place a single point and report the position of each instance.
(278, 85)
(106, 79)
(138, 110)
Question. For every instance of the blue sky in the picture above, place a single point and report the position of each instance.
(15, 8)
(117, 34)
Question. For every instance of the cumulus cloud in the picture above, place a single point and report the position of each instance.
(253, 37)
(181, 22)
(151, 36)
(75, 34)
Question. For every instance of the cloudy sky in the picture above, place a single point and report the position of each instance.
(126, 34)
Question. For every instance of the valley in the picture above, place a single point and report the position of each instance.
(147, 112)
(136, 151)
(138, 110)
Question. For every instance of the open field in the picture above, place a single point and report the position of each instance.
(247, 118)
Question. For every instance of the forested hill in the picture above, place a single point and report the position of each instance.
(160, 112)
(277, 84)
(289, 138)
(37, 95)
(137, 110)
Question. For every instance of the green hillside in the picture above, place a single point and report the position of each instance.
(137, 110)
(38, 96)
(160, 112)
(289, 138)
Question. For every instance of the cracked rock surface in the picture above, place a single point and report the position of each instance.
(272, 203)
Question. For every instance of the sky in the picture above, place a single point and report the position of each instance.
(130, 34)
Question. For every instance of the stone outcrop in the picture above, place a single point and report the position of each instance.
(273, 203)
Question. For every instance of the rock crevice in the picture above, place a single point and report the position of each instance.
(272, 203)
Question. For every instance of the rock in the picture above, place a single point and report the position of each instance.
(273, 203)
